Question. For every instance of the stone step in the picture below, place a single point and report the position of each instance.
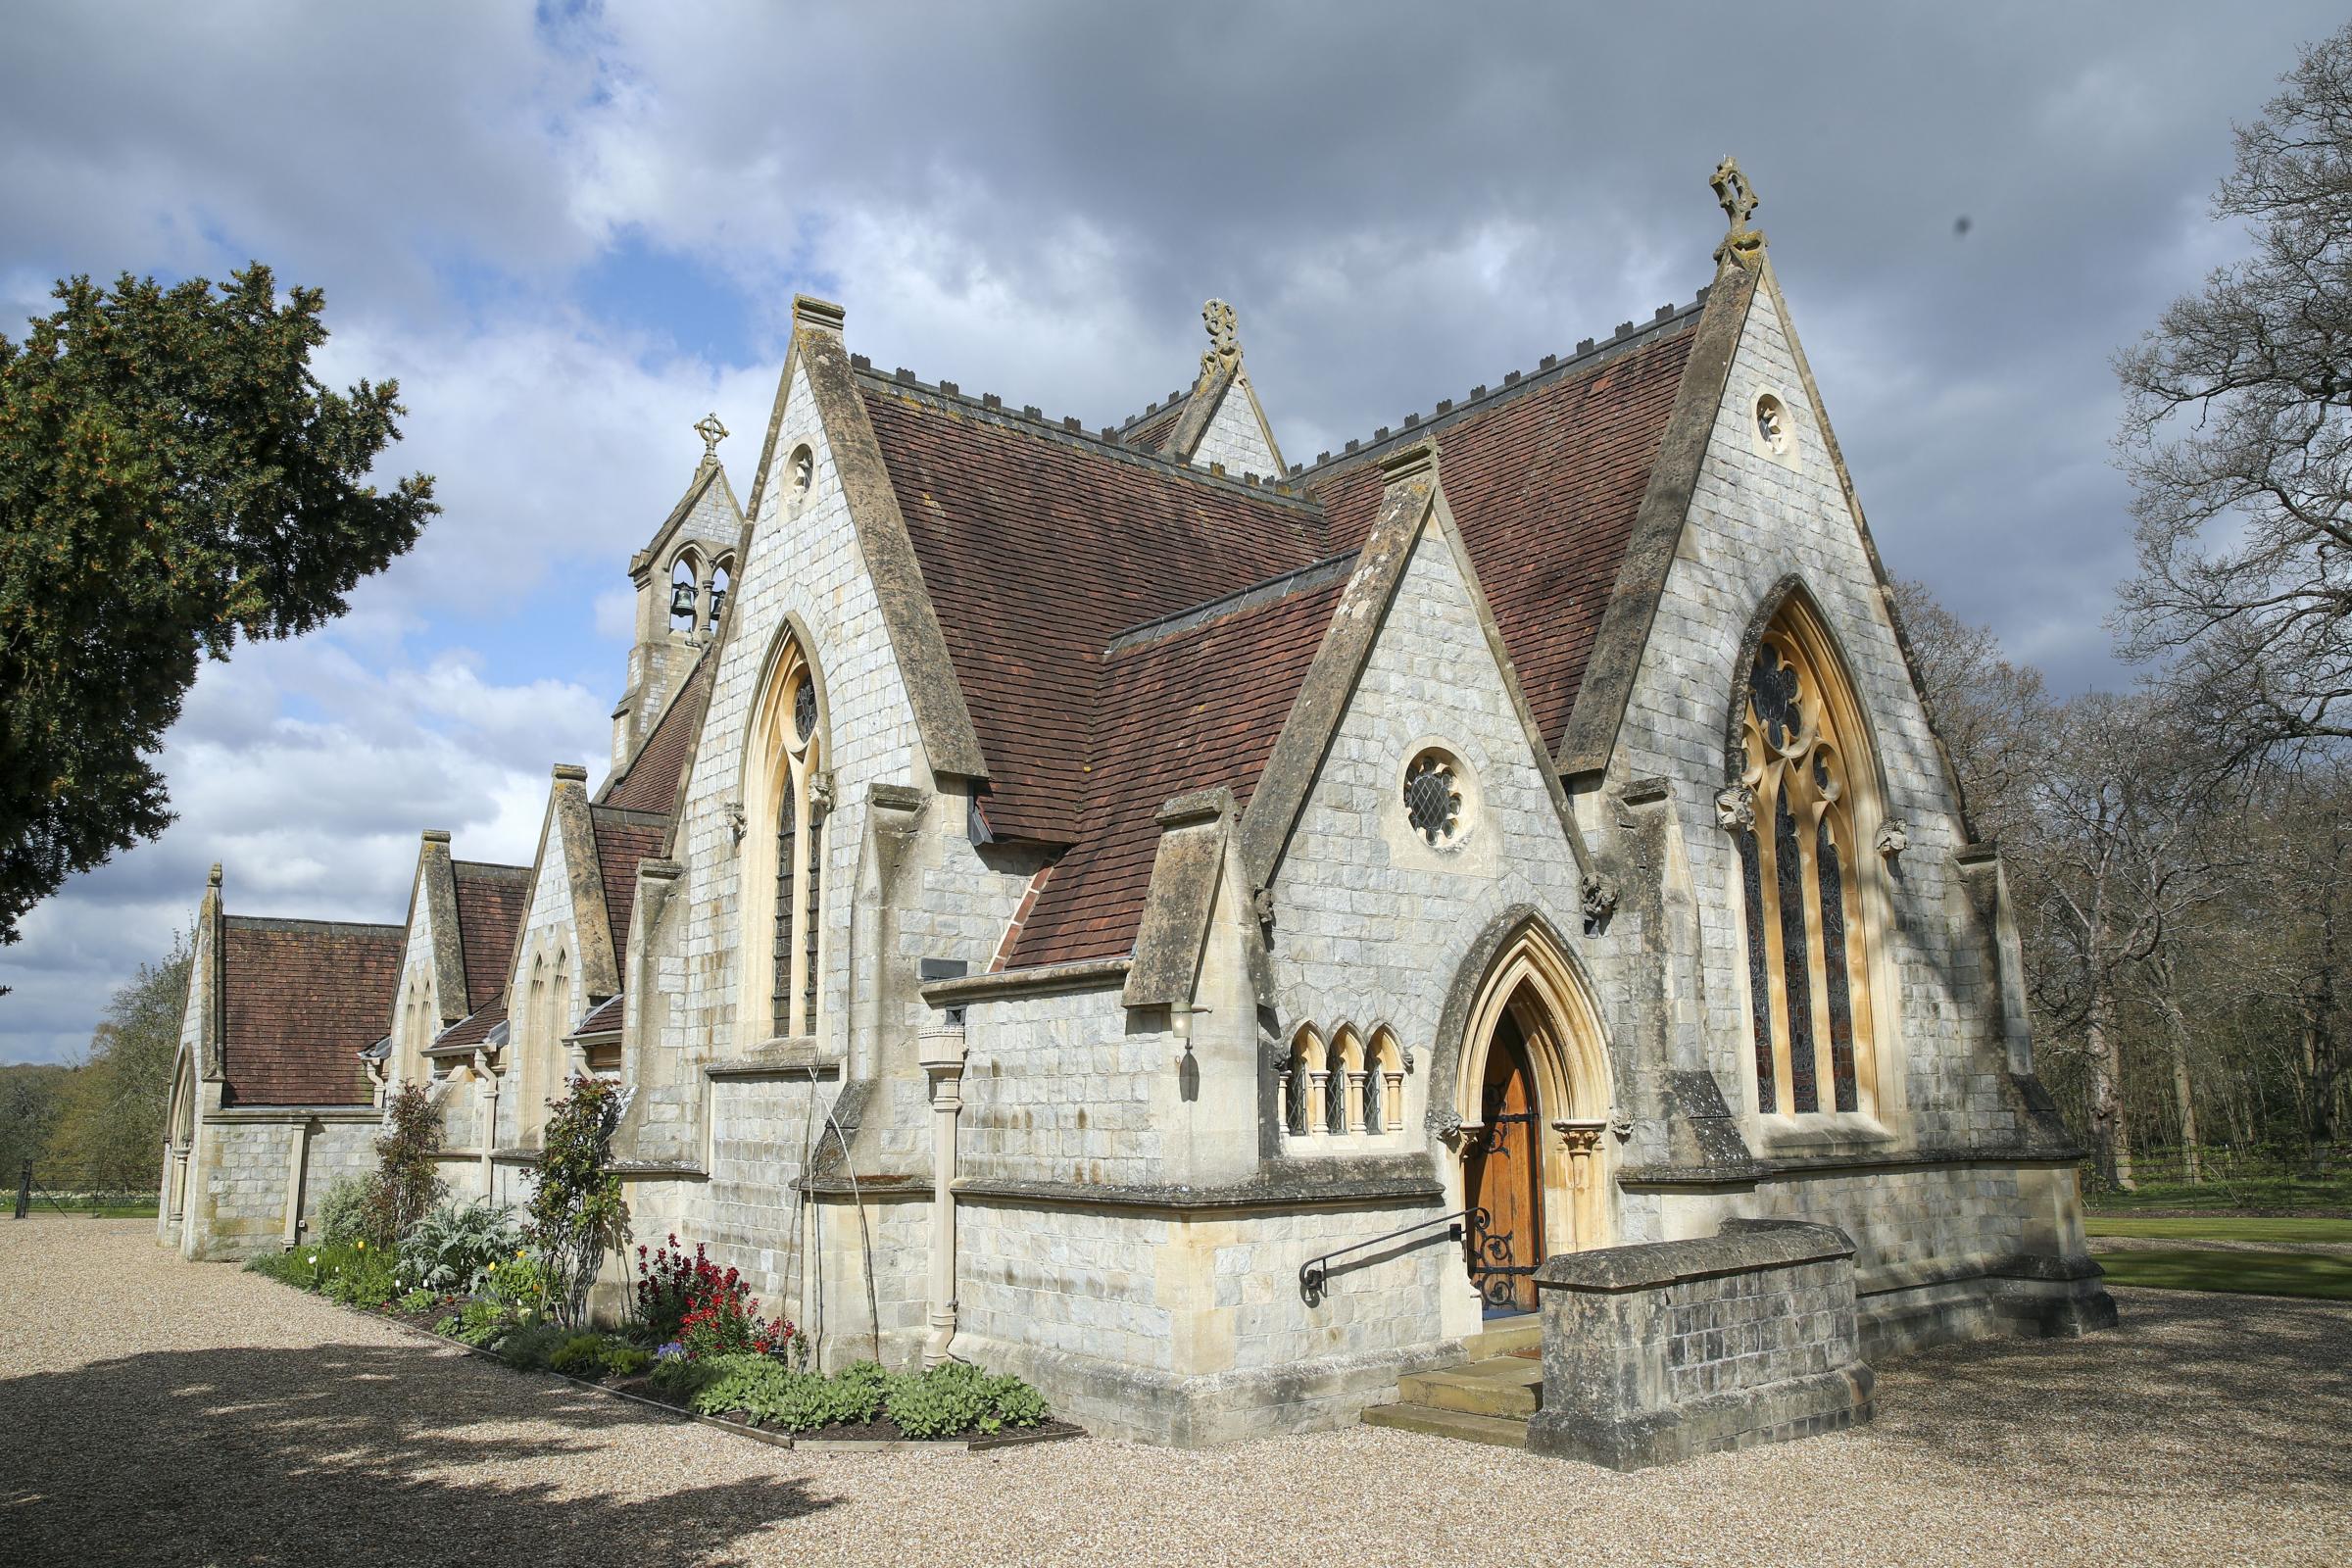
(1509, 1386)
(1503, 1334)
(1459, 1425)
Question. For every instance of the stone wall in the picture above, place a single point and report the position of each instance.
(1233, 437)
(238, 1198)
(1670, 1349)
(1056, 1089)
(1188, 1326)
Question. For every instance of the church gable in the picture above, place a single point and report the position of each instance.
(1770, 532)
(1428, 816)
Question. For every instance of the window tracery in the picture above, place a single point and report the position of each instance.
(785, 889)
(1800, 876)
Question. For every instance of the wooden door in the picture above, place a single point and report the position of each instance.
(1503, 1174)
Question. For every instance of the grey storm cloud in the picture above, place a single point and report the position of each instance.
(1403, 201)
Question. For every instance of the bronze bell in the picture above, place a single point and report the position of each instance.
(718, 602)
(681, 600)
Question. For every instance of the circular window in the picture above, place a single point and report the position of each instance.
(1432, 797)
(804, 711)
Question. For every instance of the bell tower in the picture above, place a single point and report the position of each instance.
(682, 578)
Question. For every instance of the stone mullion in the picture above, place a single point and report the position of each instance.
(1809, 814)
(1776, 980)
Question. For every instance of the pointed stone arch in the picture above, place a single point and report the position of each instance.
(1806, 805)
(785, 770)
(1532, 987)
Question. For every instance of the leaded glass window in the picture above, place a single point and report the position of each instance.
(1432, 797)
(1799, 879)
(790, 895)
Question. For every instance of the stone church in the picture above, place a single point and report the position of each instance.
(1197, 929)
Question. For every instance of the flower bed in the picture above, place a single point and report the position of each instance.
(695, 1345)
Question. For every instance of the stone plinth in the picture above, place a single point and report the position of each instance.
(1658, 1352)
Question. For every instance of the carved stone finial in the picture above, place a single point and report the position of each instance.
(1224, 339)
(1737, 199)
(713, 433)
(1736, 806)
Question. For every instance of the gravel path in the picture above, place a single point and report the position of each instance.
(154, 1412)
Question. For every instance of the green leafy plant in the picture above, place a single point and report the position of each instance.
(625, 1360)
(406, 1181)
(577, 1215)
(518, 1284)
(676, 1376)
(445, 1324)
(452, 1247)
(953, 1397)
(416, 1301)
(343, 1211)
(581, 1356)
(482, 1323)
(533, 1344)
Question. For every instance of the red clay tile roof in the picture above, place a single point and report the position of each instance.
(1544, 483)
(1036, 548)
(491, 900)
(1147, 432)
(473, 1030)
(300, 1000)
(602, 1019)
(620, 842)
(649, 780)
(1039, 549)
(1190, 710)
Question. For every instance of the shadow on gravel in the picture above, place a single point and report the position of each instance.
(320, 1456)
(2143, 1409)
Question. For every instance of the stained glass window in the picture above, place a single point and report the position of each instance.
(787, 857)
(1799, 891)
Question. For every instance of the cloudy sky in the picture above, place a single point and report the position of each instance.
(571, 231)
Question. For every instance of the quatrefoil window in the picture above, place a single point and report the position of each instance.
(1432, 797)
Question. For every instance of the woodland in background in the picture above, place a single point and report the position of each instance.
(98, 1125)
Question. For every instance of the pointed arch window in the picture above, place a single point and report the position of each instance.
(785, 886)
(1803, 797)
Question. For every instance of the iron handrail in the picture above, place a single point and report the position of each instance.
(1313, 1273)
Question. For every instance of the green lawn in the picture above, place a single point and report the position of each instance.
(2270, 1192)
(2309, 1274)
(2219, 1228)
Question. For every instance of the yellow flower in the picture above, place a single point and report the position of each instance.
(362, 1246)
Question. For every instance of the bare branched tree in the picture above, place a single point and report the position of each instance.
(1992, 715)
(2237, 438)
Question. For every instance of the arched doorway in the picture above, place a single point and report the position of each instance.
(1534, 1096)
(1503, 1178)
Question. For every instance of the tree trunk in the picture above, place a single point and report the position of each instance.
(2164, 979)
(2109, 1133)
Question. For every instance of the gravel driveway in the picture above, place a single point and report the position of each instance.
(155, 1411)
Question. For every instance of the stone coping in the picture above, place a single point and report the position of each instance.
(1091, 975)
(294, 1113)
(1750, 1172)
(1281, 1188)
(777, 1058)
(1742, 1247)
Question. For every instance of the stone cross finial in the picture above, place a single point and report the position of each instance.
(1737, 199)
(713, 433)
(1224, 338)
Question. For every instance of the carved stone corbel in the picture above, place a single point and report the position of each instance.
(1736, 807)
(1600, 896)
(1893, 839)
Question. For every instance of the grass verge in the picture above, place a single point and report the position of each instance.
(2219, 1228)
(2313, 1275)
